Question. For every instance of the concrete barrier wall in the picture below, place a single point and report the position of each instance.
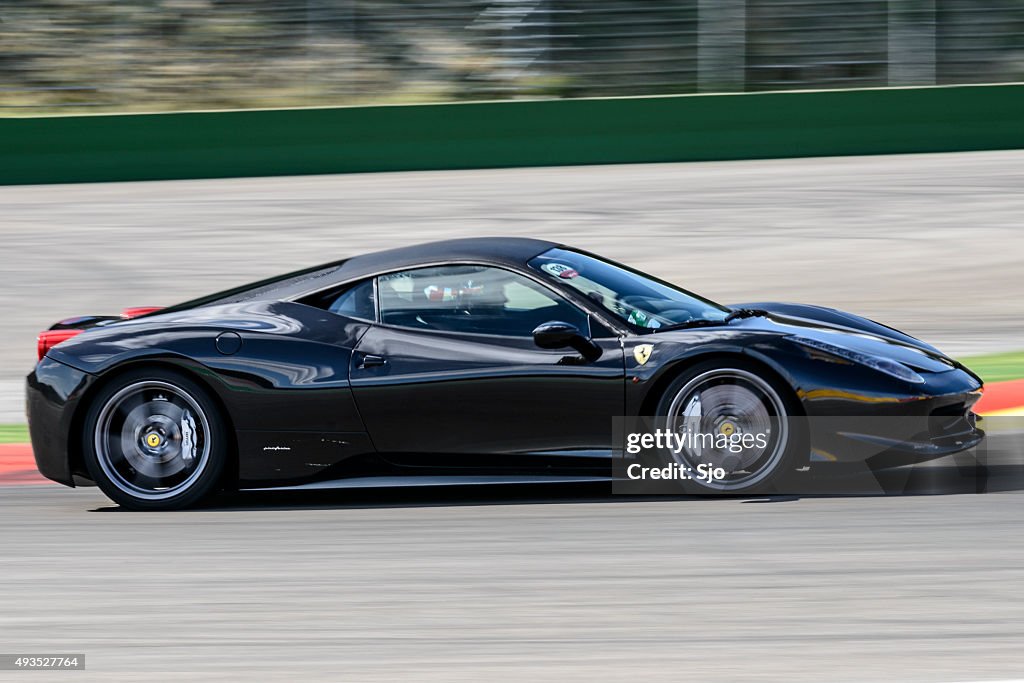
(505, 134)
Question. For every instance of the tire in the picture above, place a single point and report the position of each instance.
(732, 393)
(154, 439)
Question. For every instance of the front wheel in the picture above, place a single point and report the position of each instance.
(737, 421)
(154, 440)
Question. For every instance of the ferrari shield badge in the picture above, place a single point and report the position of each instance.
(642, 353)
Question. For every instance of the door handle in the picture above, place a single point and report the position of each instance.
(370, 361)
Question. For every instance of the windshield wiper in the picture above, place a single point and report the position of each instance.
(735, 314)
(699, 322)
(738, 313)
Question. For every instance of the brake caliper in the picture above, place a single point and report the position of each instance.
(188, 440)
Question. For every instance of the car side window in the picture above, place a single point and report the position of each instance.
(352, 301)
(471, 299)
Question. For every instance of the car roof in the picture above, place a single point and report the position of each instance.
(513, 251)
(500, 250)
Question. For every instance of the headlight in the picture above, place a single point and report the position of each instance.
(889, 367)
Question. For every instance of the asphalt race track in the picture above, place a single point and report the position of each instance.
(918, 578)
(931, 244)
(534, 583)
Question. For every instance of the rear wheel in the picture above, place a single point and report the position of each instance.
(738, 401)
(154, 440)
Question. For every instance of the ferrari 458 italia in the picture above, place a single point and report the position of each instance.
(475, 360)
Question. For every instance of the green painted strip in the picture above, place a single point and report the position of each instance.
(503, 134)
(997, 367)
(13, 434)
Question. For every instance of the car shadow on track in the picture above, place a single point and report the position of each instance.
(950, 476)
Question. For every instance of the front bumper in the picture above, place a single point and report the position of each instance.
(53, 391)
(903, 432)
(889, 450)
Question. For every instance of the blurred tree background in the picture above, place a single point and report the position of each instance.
(70, 56)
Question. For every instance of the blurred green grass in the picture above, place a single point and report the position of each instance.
(13, 433)
(995, 367)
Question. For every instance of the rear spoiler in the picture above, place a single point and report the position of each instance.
(69, 327)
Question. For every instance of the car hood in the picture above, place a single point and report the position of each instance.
(921, 358)
(917, 356)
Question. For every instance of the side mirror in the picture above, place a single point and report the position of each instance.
(559, 335)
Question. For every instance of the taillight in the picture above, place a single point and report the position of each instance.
(50, 338)
(136, 311)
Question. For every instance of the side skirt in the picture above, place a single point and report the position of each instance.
(390, 481)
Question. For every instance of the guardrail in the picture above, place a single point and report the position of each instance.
(504, 134)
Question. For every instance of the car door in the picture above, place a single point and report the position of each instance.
(451, 374)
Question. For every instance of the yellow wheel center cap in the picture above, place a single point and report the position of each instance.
(153, 440)
(727, 428)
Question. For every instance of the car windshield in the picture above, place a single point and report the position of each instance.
(632, 296)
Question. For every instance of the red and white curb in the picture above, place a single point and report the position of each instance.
(18, 467)
(1002, 398)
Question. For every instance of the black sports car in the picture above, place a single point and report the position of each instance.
(475, 360)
